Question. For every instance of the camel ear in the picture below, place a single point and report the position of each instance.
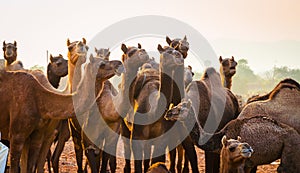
(4, 43)
(124, 48)
(224, 140)
(185, 39)
(169, 41)
(160, 48)
(60, 55)
(108, 54)
(15, 43)
(220, 59)
(96, 50)
(83, 40)
(68, 42)
(190, 67)
(91, 58)
(51, 58)
(139, 46)
(239, 138)
(232, 58)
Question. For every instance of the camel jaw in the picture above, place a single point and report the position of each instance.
(247, 153)
(120, 70)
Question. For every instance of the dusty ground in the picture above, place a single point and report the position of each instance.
(68, 162)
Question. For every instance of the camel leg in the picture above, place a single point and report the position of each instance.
(125, 132)
(78, 147)
(105, 157)
(112, 163)
(212, 162)
(112, 144)
(191, 153)
(137, 149)
(172, 155)
(36, 143)
(49, 161)
(63, 137)
(186, 163)
(16, 146)
(180, 157)
(93, 160)
(147, 154)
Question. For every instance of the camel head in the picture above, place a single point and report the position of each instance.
(77, 51)
(158, 167)
(169, 57)
(179, 44)
(179, 112)
(58, 65)
(134, 57)
(10, 51)
(105, 69)
(188, 75)
(228, 66)
(234, 150)
(102, 53)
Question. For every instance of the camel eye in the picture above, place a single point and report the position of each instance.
(231, 149)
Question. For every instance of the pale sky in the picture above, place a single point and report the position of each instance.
(267, 32)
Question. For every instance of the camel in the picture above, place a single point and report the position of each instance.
(56, 69)
(158, 167)
(102, 53)
(108, 120)
(10, 52)
(233, 155)
(227, 71)
(276, 140)
(133, 58)
(151, 107)
(215, 106)
(181, 45)
(34, 112)
(188, 75)
(282, 104)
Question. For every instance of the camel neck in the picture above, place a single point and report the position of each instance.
(166, 85)
(226, 82)
(178, 85)
(9, 61)
(74, 75)
(52, 78)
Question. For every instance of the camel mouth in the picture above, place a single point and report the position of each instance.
(120, 70)
(247, 153)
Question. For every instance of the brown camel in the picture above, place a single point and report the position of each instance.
(158, 167)
(282, 104)
(34, 112)
(269, 139)
(133, 58)
(102, 53)
(56, 69)
(181, 45)
(10, 52)
(107, 122)
(215, 106)
(227, 70)
(233, 155)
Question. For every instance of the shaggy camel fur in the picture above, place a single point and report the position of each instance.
(282, 104)
(34, 112)
(276, 140)
(233, 155)
(227, 70)
(215, 106)
(158, 167)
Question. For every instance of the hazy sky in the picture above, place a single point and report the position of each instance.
(267, 32)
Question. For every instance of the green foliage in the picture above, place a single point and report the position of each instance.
(37, 67)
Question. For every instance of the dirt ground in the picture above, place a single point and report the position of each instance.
(68, 162)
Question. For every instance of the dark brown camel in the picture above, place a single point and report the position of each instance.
(215, 106)
(227, 71)
(233, 155)
(276, 140)
(56, 69)
(150, 107)
(182, 45)
(34, 112)
(133, 58)
(9, 52)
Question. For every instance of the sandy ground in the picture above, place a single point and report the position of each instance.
(68, 162)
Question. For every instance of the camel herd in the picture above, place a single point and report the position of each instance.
(152, 99)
